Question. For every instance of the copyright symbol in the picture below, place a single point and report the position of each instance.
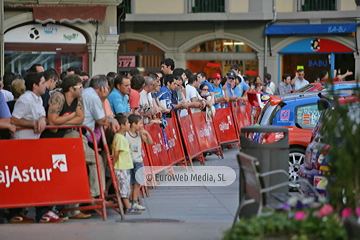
(149, 177)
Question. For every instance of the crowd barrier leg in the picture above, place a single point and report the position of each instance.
(113, 178)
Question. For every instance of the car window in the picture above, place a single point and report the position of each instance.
(307, 116)
(268, 113)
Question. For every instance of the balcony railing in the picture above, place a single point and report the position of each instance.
(201, 6)
(316, 5)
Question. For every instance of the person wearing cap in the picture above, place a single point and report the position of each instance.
(218, 91)
(229, 88)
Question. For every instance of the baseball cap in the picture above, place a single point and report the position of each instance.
(216, 75)
(231, 74)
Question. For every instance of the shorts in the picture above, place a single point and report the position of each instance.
(140, 175)
(123, 182)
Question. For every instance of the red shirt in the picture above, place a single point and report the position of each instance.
(134, 98)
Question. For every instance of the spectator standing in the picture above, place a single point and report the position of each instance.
(193, 98)
(137, 83)
(29, 112)
(94, 113)
(133, 72)
(123, 163)
(146, 100)
(51, 78)
(218, 92)
(119, 96)
(270, 86)
(285, 86)
(299, 80)
(167, 66)
(201, 76)
(135, 136)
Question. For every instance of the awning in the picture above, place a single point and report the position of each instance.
(327, 28)
(69, 14)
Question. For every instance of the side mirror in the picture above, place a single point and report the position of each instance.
(323, 104)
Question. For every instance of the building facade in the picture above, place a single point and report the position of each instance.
(211, 35)
(60, 34)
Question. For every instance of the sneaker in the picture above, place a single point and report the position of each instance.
(50, 217)
(22, 219)
(138, 206)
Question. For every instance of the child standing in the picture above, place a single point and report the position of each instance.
(135, 136)
(122, 162)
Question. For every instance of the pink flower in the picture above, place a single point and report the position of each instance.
(325, 210)
(300, 215)
(346, 212)
(357, 210)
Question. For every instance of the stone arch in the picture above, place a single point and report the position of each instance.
(187, 46)
(142, 37)
(14, 21)
(286, 42)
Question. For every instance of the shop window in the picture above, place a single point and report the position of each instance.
(142, 55)
(20, 61)
(307, 116)
(222, 46)
(317, 5)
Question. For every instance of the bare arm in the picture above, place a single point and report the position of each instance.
(109, 121)
(23, 122)
(116, 156)
(293, 80)
(7, 125)
(56, 103)
(145, 136)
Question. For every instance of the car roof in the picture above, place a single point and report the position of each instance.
(308, 96)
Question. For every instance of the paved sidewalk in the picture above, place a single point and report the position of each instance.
(204, 212)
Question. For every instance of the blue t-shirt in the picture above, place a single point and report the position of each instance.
(4, 109)
(218, 92)
(164, 96)
(240, 88)
(118, 102)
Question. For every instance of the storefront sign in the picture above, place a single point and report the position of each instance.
(51, 33)
(127, 61)
(318, 63)
(316, 45)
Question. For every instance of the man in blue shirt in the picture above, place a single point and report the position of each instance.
(119, 96)
(167, 92)
(218, 91)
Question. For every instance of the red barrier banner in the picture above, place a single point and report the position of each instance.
(43, 172)
(205, 132)
(176, 153)
(241, 117)
(157, 152)
(225, 126)
(191, 141)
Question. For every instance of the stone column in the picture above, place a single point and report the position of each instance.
(261, 59)
(273, 68)
(106, 55)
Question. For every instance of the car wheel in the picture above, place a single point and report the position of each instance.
(296, 159)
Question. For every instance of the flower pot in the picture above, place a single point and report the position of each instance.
(352, 228)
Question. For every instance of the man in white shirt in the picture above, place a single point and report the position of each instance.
(192, 96)
(29, 110)
(270, 86)
(299, 81)
(146, 101)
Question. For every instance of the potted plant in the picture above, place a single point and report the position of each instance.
(301, 219)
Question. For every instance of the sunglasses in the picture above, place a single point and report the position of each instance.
(80, 86)
(204, 89)
(232, 78)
